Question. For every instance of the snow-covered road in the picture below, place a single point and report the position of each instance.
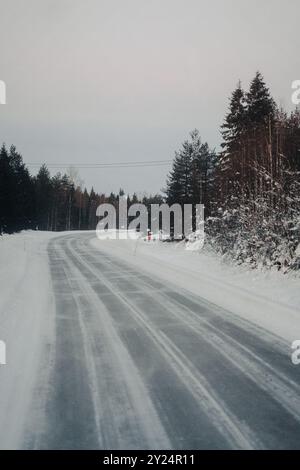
(107, 352)
(142, 363)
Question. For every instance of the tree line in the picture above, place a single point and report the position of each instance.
(45, 202)
(251, 188)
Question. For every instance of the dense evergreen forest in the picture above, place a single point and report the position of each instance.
(54, 203)
(250, 189)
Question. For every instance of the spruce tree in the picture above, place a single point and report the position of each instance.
(43, 192)
(6, 192)
(260, 105)
(235, 121)
(179, 187)
(203, 165)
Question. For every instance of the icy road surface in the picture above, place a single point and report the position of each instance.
(141, 363)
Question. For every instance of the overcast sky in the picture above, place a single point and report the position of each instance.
(127, 80)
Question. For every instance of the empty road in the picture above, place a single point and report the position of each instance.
(141, 364)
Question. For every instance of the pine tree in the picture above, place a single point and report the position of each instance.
(6, 192)
(260, 105)
(234, 125)
(179, 188)
(92, 220)
(203, 165)
(43, 192)
(16, 193)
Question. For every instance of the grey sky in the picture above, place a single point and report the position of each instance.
(124, 80)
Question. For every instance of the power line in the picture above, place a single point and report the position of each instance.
(135, 164)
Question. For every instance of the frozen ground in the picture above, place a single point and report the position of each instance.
(143, 345)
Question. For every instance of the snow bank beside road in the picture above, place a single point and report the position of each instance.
(270, 300)
(25, 326)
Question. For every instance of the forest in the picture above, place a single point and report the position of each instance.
(250, 188)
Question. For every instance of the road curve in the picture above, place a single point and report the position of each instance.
(141, 364)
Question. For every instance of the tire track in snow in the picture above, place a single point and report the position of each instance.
(278, 385)
(68, 411)
(237, 433)
(124, 414)
(289, 380)
(274, 383)
(174, 406)
(131, 420)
